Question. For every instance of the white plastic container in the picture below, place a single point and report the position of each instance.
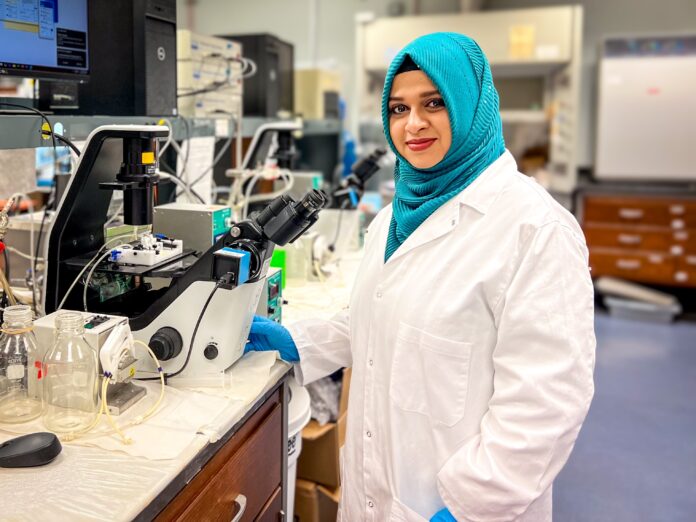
(639, 311)
(299, 413)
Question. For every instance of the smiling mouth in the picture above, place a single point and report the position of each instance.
(420, 144)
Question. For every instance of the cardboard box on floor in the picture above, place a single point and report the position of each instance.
(318, 468)
(319, 460)
(315, 503)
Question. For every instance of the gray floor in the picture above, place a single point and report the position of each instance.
(635, 459)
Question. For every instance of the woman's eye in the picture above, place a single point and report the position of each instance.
(398, 109)
(435, 103)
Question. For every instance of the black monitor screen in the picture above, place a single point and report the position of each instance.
(43, 38)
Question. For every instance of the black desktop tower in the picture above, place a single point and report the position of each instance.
(132, 47)
(272, 88)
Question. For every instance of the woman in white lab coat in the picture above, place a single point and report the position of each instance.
(470, 326)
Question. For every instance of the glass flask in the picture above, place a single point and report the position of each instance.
(70, 379)
(20, 368)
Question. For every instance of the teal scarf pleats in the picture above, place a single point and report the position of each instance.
(459, 69)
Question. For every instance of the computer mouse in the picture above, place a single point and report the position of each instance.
(27, 451)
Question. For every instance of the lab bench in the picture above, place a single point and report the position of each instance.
(242, 476)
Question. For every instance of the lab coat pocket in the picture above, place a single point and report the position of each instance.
(402, 513)
(430, 375)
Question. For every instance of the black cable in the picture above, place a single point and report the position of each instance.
(43, 116)
(193, 339)
(215, 86)
(332, 246)
(64, 140)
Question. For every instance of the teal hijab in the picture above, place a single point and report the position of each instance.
(459, 69)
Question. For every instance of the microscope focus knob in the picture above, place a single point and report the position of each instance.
(210, 352)
(166, 343)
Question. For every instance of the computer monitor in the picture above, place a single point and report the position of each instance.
(44, 39)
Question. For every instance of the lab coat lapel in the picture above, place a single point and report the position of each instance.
(441, 222)
(478, 196)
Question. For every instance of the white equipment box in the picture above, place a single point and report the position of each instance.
(212, 66)
(646, 119)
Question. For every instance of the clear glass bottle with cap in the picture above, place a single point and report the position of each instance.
(20, 367)
(70, 380)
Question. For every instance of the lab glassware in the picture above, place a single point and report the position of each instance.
(20, 368)
(70, 380)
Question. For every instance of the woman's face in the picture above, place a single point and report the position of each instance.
(418, 120)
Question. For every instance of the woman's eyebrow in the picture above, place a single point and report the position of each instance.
(395, 98)
(429, 93)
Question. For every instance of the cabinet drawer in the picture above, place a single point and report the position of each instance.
(249, 478)
(273, 509)
(625, 237)
(637, 266)
(676, 242)
(664, 212)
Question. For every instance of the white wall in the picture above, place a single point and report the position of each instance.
(605, 18)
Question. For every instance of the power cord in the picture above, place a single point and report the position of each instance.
(193, 335)
(64, 140)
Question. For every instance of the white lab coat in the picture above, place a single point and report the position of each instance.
(472, 351)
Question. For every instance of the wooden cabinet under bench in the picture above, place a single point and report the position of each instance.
(241, 478)
(649, 239)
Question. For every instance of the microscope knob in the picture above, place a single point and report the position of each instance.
(166, 343)
(210, 352)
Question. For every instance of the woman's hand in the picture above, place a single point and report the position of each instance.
(267, 335)
(443, 515)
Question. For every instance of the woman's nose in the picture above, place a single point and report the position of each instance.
(416, 122)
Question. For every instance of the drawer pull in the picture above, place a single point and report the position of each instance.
(630, 239)
(240, 501)
(681, 277)
(691, 260)
(677, 210)
(631, 213)
(628, 264)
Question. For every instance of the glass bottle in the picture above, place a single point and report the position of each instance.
(70, 380)
(20, 387)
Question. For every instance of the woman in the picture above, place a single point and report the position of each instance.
(470, 327)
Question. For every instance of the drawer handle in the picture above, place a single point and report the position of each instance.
(631, 213)
(240, 501)
(628, 264)
(630, 239)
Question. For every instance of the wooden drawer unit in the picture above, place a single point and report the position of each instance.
(676, 242)
(677, 214)
(243, 481)
(642, 238)
(637, 266)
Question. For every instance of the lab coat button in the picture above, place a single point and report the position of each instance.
(369, 435)
(371, 504)
(379, 295)
(371, 362)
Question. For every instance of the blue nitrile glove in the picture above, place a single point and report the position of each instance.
(443, 515)
(266, 334)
